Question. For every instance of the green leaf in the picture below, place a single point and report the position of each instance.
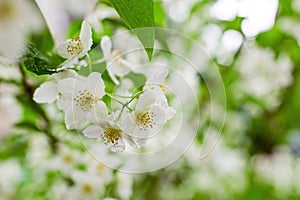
(138, 15)
(160, 14)
(36, 62)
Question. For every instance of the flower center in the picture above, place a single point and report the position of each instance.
(145, 120)
(87, 188)
(6, 10)
(100, 167)
(111, 135)
(75, 46)
(68, 159)
(85, 100)
(162, 87)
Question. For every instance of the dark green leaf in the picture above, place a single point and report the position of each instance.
(138, 15)
(37, 62)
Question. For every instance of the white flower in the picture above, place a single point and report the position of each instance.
(98, 14)
(59, 190)
(79, 96)
(47, 92)
(8, 70)
(150, 114)
(10, 176)
(124, 185)
(105, 128)
(262, 75)
(65, 160)
(151, 111)
(86, 186)
(99, 169)
(276, 169)
(10, 113)
(17, 19)
(115, 65)
(76, 48)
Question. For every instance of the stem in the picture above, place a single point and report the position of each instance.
(126, 104)
(101, 60)
(89, 63)
(120, 102)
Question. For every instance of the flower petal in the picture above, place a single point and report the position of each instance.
(135, 142)
(112, 74)
(93, 131)
(46, 93)
(63, 103)
(99, 113)
(170, 112)
(106, 46)
(85, 37)
(119, 147)
(123, 68)
(160, 114)
(159, 76)
(65, 74)
(62, 49)
(146, 99)
(75, 119)
(69, 63)
(68, 86)
(95, 84)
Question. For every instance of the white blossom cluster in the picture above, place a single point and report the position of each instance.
(142, 114)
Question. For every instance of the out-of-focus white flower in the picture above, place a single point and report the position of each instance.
(276, 169)
(124, 185)
(56, 18)
(115, 64)
(98, 14)
(38, 153)
(261, 75)
(79, 97)
(86, 186)
(10, 113)
(10, 176)
(59, 190)
(17, 19)
(290, 25)
(59, 15)
(296, 5)
(179, 10)
(8, 71)
(259, 15)
(223, 167)
(76, 48)
(65, 160)
(79, 8)
(47, 92)
(100, 170)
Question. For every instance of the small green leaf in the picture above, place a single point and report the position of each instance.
(37, 62)
(137, 15)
